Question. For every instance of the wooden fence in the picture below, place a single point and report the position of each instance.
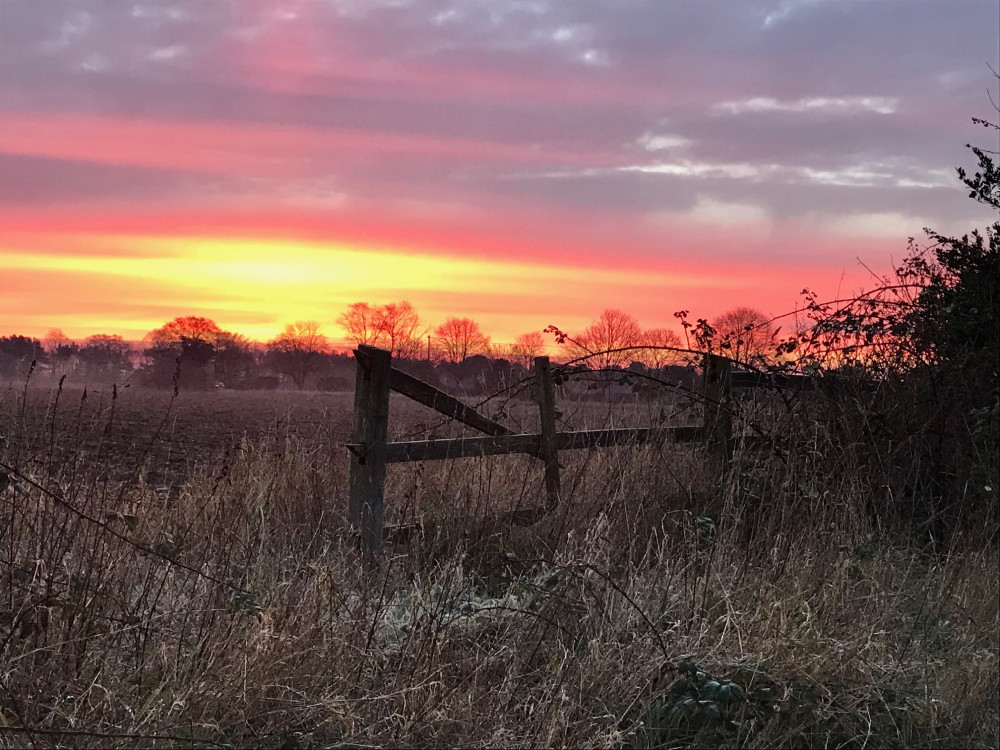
(371, 451)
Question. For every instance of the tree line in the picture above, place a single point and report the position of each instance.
(195, 352)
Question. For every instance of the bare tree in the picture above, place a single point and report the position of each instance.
(360, 322)
(526, 347)
(745, 334)
(412, 348)
(304, 335)
(461, 338)
(394, 326)
(54, 339)
(60, 349)
(613, 330)
(398, 328)
(658, 356)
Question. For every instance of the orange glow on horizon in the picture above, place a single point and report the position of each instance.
(262, 284)
(123, 272)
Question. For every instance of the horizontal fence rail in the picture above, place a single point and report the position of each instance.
(530, 443)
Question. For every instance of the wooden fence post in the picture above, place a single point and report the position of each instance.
(547, 410)
(366, 509)
(717, 390)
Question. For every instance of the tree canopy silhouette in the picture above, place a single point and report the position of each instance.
(930, 335)
(59, 348)
(189, 326)
(17, 353)
(188, 342)
(107, 354)
(298, 349)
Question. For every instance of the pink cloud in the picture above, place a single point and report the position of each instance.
(243, 149)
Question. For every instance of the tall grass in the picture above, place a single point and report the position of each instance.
(663, 604)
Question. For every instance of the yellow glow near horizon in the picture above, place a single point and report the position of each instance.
(256, 286)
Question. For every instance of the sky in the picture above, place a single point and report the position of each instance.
(520, 162)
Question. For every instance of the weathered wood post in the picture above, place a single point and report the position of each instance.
(547, 410)
(717, 390)
(366, 509)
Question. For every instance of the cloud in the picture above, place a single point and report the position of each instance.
(719, 212)
(653, 142)
(785, 10)
(74, 27)
(887, 224)
(96, 63)
(167, 53)
(595, 57)
(890, 173)
(160, 14)
(689, 168)
(881, 105)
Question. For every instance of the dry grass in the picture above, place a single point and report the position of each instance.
(234, 611)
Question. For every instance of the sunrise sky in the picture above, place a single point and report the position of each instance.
(520, 162)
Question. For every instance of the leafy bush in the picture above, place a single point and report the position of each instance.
(928, 337)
